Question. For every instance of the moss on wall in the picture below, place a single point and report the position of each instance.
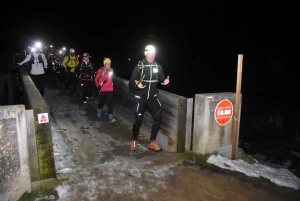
(46, 161)
(181, 130)
(44, 148)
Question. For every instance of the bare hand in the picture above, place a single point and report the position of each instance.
(166, 81)
(141, 86)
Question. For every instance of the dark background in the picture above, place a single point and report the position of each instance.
(197, 45)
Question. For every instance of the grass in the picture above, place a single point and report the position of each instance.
(40, 194)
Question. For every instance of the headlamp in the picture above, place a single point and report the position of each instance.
(151, 51)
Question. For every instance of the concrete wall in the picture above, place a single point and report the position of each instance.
(32, 147)
(208, 135)
(14, 154)
(42, 160)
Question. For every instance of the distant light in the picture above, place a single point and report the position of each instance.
(152, 35)
(38, 45)
(128, 59)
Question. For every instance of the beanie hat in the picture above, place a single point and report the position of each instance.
(150, 48)
(106, 60)
(86, 55)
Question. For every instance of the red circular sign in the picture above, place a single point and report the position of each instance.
(223, 112)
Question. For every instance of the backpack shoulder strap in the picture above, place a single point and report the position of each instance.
(140, 65)
(104, 71)
(141, 70)
(31, 57)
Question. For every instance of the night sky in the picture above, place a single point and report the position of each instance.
(225, 25)
(214, 32)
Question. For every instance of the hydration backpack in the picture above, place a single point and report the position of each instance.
(141, 67)
(86, 72)
(40, 59)
(69, 58)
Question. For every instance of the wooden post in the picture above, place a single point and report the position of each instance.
(237, 105)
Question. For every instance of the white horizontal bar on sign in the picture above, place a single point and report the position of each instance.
(224, 112)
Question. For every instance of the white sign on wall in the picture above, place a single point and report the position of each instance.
(43, 118)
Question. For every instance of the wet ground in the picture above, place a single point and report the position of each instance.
(93, 162)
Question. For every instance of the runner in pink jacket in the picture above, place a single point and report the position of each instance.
(104, 82)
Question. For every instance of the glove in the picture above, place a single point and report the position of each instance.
(99, 88)
(45, 69)
(18, 65)
(69, 68)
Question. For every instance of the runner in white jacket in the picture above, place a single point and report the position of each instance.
(38, 68)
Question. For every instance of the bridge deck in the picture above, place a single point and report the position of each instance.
(92, 154)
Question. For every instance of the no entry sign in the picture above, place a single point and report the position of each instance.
(223, 112)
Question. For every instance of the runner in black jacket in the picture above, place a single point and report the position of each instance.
(145, 76)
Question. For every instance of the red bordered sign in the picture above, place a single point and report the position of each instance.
(223, 112)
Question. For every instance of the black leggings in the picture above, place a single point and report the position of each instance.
(87, 88)
(108, 98)
(71, 79)
(39, 82)
(155, 108)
